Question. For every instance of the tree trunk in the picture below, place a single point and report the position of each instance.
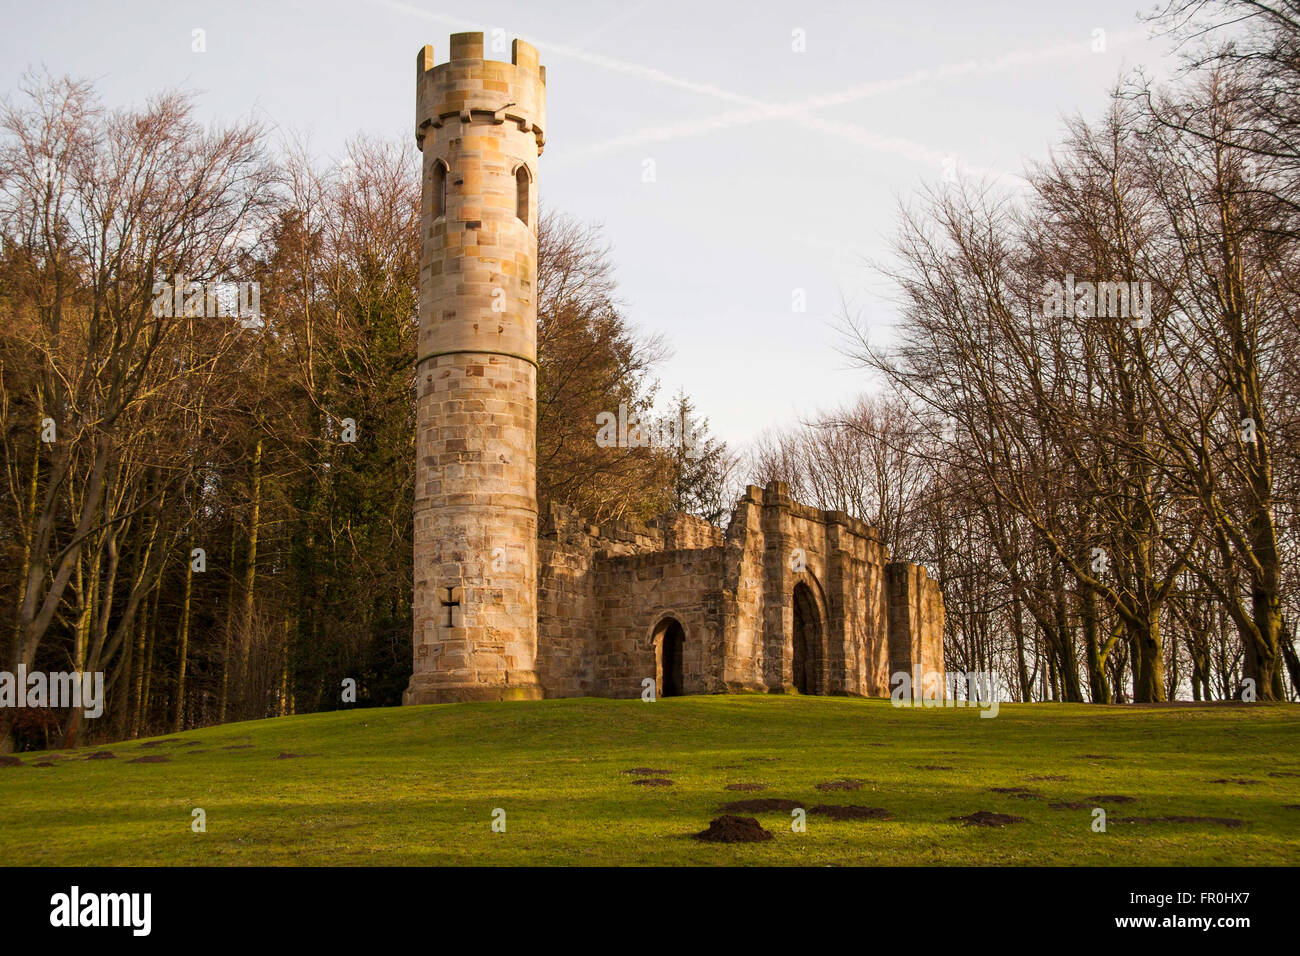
(230, 627)
(182, 655)
(250, 567)
(1289, 655)
(1263, 662)
(1069, 659)
(148, 658)
(1149, 674)
(1097, 683)
(1022, 669)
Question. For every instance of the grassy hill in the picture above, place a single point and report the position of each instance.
(418, 785)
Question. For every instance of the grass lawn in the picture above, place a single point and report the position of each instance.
(418, 786)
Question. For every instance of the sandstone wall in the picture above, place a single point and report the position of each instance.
(598, 585)
(479, 125)
(915, 623)
(780, 545)
(603, 591)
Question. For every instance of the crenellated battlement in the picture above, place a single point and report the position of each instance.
(469, 89)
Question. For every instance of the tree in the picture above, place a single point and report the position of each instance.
(97, 208)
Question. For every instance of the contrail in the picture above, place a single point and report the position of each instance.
(613, 21)
(756, 110)
(798, 110)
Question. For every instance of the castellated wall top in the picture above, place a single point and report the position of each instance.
(777, 495)
(473, 89)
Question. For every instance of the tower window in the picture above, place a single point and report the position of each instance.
(439, 188)
(521, 193)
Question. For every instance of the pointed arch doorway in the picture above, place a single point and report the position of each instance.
(669, 643)
(806, 642)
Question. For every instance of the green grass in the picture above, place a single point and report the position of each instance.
(418, 785)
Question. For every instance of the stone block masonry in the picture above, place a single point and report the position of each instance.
(510, 605)
(479, 126)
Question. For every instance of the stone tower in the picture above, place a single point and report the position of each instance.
(479, 125)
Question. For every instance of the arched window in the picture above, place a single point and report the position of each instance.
(522, 181)
(439, 188)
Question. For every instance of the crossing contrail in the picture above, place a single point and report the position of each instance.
(799, 111)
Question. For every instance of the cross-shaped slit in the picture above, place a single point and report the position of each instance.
(451, 601)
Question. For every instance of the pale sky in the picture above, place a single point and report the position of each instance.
(774, 170)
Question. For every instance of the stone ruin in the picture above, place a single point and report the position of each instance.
(510, 604)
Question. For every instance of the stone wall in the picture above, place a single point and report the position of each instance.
(915, 622)
(597, 583)
(511, 604)
(780, 570)
(781, 548)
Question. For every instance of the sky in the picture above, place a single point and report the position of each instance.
(742, 159)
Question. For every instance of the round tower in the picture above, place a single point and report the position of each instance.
(479, 124)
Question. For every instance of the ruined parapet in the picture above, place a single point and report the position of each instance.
(804, 594)
(915, 616)
(686, 532)
(571, 530)
(479, 125)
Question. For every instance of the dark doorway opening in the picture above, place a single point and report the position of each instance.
(669, 640)
(806, 642)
